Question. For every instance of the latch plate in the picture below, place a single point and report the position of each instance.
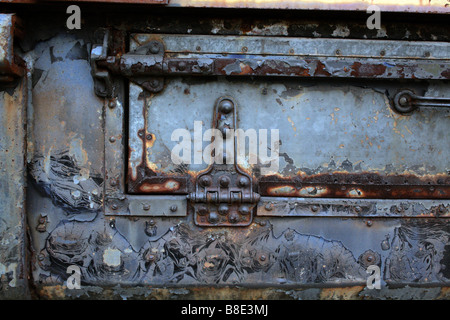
(224, 193)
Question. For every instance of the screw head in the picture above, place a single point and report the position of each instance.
(225, 106)
(314, 208)
(369, 223)
(149, 137)
(114, 206)
(173, 208)
(146, 206)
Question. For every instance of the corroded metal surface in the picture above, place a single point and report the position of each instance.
(13, 268)
(83, 153)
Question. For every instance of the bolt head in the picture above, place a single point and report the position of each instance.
(146, 206)
(173, 208)
(268, 207)
(315, 208)
(114, 206)
(225, 106)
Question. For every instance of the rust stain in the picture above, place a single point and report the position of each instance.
(167, 186)
(367, 70)
(346, 293)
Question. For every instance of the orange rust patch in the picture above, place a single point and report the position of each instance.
(170, 185)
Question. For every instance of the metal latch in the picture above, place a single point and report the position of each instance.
(224, 192)
(406, 101)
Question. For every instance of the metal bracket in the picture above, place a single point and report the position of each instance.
(224, 193)
(406, 101)
(138, 66)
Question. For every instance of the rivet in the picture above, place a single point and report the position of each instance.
(223, 209)
(262, 258)
(358, 209)
(181, 65)
(243, 181)
(140, 134)
(403, 100)
(369, 223)
(76, 195)
(173, 208)
(244, 209)
(205, 181)
(382, 53)
(114, 206)
(112, 139)
(291, 51)
(152, 222)
(112, 104)
(314, 208)
(244, 49)
(149, 137)
(225, 106)
(441, 209)
(338, 51)
(427, 54)
(146, 206)
(198, 48)
(154, 83)
(224, 181)
(202, 210)
(233, 218)
(369, 259)
(213, 218)
(154, 48)
(41, 257)
(113, 182)
(268, 207)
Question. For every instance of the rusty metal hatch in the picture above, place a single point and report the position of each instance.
(368, 139)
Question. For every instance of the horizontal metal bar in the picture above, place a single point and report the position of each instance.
(328, 207)
(187, 45)
(149, 206)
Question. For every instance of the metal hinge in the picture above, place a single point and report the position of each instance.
(224, 192)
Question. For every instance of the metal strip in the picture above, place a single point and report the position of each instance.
(149, 206)
(294, 47)
(327, 207)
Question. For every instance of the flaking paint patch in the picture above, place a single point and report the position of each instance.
(112, 257)
(12, 267)
(77, 152)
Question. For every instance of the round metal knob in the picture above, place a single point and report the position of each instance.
(213, 218)
(244, 210)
